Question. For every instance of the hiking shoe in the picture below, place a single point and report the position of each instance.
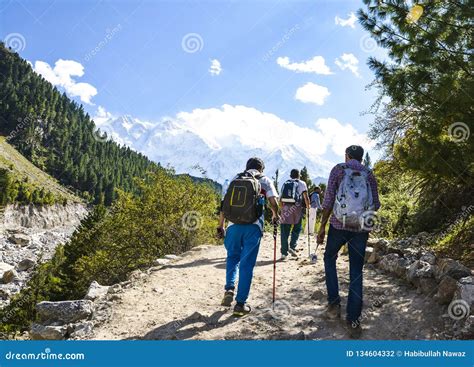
(293, 252)
(354, 329)
(333, 312)
(283, 257)
(241, 309)
(228, 298)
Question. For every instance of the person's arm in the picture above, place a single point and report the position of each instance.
(220, 226)
(328, 203)
(375, 191)
(318, 202)
(274, 208)
(306, 199)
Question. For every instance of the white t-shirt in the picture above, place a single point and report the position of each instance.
(268, 189)
(300, 188)
(292, 213)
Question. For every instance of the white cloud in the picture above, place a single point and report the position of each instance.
(215, 68)
(312, 93)
(349, 22)
(348, 61)
(315, 65)
(102, 116)
(61, 75)
(221, 139)
(340, 136)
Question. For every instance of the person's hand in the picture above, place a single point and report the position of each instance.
(275, 219)
(321, 235)
(220, 232)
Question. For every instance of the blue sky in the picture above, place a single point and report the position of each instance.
(143, 67)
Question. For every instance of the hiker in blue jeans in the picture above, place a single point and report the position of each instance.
(293, 192)
(242, 242)
(352, 199)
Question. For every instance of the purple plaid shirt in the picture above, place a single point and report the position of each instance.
(335, 178)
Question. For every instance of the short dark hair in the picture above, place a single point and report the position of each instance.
(295, 173)
(255, 163)
(355, 152)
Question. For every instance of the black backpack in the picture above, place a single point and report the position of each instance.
(289, 193)
(241, 204)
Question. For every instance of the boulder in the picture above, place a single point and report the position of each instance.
(26, 264)
(381, 246)
(467, 331)
(63, 312)
(158, 262)
(427, 286)
(452, 268)
(96, 290)
(429, 257)
(9, 276)
(4, 267)
(374, 257)
(82, 330)
(42, 332)
(446, 288)
(393, 264)
(19, 239)
(419, 269)
(465, 291)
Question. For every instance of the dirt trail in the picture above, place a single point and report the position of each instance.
(182, 301)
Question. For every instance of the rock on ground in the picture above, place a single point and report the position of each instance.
(96, 290)
(63, 312)
(48, 332)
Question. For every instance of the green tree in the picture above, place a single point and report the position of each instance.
(423, 117)
(367, 161)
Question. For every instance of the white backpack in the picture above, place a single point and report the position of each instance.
(353, 198)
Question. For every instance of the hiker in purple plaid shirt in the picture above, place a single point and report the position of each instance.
(341, 233)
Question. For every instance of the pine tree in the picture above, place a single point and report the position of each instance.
(367, 161)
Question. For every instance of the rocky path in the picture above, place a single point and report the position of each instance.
(182, 301)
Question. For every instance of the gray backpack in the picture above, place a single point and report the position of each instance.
(353, 198)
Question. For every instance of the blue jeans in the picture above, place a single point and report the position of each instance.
(357, 242)
(242, 242)
(287, 230)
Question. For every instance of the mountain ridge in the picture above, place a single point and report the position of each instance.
(202, 157)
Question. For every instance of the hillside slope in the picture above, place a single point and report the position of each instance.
(58, 136)
(23, 170)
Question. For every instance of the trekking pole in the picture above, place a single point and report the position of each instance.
(275, 231)
(309, 246)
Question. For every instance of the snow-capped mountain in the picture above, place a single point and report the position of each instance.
(212, 151)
